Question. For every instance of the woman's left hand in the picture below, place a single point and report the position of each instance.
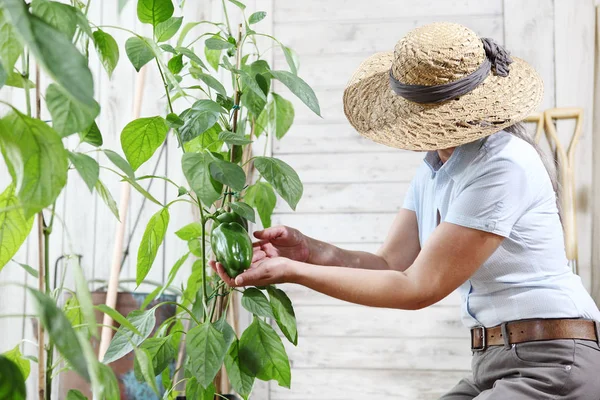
(267, 271)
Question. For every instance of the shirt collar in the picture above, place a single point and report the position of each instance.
(462, 155)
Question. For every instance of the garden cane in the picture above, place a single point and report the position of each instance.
(113, 283)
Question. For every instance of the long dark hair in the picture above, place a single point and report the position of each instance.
(519, 131)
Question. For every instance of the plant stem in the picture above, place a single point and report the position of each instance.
(162, 76)
(226, 17)
(204, 294)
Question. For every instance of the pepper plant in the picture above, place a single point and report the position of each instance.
(219, 99)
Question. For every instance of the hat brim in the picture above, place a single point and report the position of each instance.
(377, 113)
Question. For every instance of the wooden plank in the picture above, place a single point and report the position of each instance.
(303, 296)
(350, 228)
(348, 384)
(349, 197)
(315, 10)
(533, 20)
(574, 52)
(397, 166)
(595, 289)
(368, 36)
(326, 138)
(360, 321)
(373, 353)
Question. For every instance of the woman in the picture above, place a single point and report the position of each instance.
(480, 216)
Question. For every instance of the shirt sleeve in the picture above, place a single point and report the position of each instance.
(494, 200)
(409, 199)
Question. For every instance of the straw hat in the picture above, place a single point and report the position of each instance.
(430, 59)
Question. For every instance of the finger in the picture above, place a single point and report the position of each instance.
(213, 265)
(271, 233)
(260, 243)
(226, 278)
(251, 277)
(258, 255)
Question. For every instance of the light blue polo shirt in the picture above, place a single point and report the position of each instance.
(499, 185)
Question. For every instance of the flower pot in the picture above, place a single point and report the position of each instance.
(129, 387)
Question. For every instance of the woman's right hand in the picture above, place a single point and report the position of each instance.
(281, 241)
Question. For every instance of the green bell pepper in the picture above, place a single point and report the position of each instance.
(232, 247)
(232, 217)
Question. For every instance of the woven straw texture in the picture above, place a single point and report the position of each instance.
(431, 55)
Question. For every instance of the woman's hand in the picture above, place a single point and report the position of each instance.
(281, 241)
(267, 271)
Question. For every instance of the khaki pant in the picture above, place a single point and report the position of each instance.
(554, 369)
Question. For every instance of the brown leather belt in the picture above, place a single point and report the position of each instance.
(532, 330)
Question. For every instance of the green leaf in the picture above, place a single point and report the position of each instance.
(299, 88)
(68, 115)
(193, 390)
(10, 45)
(227, 331)
(212, 56)
(174, 121)
(292, 59)
(83, 23)
(91, 135)
(108, 382)
(241, 381)
(210, 81)
(108, 50)
(207, 140)
(124, 340)
(14, 227)
(154, 11)
(257, 303)
(139, 52)
(88, 168)
(278, 116)
(60, 331)
(244, 210)
(3, 76)
(217, 43)
(283, 178)
(144, 361)
(263, 355)
(16, 80)
(54, 51)
(28, 268)
(12, 382)
(175, 64)
(85, 300)
(161, 351)
(251, 83)
(238, 3)
(233, 138)
(120, 162)
(190, 231)
(140, 139)
(36, 159)
(262, 197)
(151, 241)
(168, 48)
(167, 29)
(284, 313)
(73, 312)
(75, 395)
(173, 273)
(115, 315)
(141, 190)
(191, 55)
(107, 198)
(195, 167)
(257, 17)
(62, 17)
(203, 115)
(206, 349)
(228, 173)
(15, 356)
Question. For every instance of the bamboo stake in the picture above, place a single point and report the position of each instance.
(113, 283)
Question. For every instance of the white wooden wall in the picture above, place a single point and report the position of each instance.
(352, 187)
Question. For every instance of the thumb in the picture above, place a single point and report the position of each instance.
(270, 233)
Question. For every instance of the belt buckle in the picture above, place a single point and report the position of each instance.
(483, 339)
